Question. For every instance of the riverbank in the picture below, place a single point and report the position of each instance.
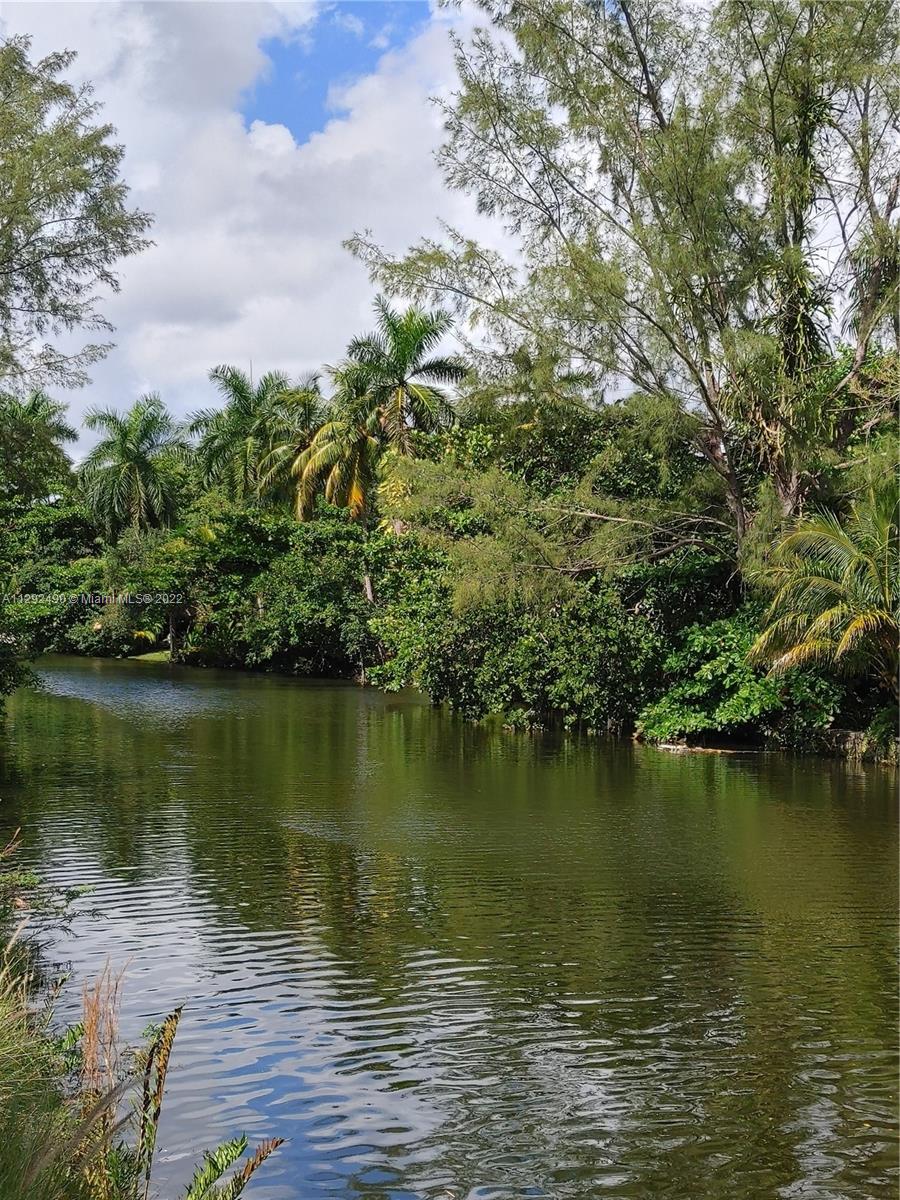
(665, 649)
(841, 744)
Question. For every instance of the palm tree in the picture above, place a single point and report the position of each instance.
(33, 462)
(46, 416)
(342, 458)
(236, 439)
(535, 382)
(297, 415)
(390, 386)
(402, 374)
(133, 475)
(837, 601)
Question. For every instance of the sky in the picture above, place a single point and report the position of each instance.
(260, 135)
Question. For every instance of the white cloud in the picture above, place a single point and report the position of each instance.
(349, 23)
(248, 263)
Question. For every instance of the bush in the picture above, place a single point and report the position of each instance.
(582, 661)
(310, 611)
(713, 691)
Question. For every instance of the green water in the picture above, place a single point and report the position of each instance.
(449, 962)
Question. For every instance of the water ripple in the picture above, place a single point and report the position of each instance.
(449, 963)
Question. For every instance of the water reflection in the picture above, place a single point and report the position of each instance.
(449, 960)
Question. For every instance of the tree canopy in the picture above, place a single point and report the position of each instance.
(389, 388)
(131, 477)
(64, 220)
(703, 202)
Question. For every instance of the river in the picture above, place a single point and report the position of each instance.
(450, 961)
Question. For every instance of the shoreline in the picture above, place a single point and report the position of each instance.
(851, 746)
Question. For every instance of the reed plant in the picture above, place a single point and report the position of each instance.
(79, 1116)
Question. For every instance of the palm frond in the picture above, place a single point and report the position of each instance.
(836, 596)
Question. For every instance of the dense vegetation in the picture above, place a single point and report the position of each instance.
(653, 488)
(496, 560)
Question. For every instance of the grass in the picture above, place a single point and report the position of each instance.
(34, 1113)
(154, 656)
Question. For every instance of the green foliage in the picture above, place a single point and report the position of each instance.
(390, 386)
(310, 613)
(64, 216)
(249, 445)
(37, 535)
(837, 591)
(33, 463)
(582, 661)
(713, 690)
(134, 475)
(881, 732)
(668, 174)
(32, 1107)
(678, 591)
(109, 631)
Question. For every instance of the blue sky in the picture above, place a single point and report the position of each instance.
(343, 44)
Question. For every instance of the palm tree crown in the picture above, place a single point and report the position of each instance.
(297, 415)
(390, 385)
(402, 377)
(33, 462)
(132, 476)
(45, 416)
(838, 592)
(342, 458)
(236, 439)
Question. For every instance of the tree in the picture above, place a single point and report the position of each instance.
(402, 377)
(236, 439)
(299, 413)
(529, 382)
(837, 598)
(674, 178)
(134, 474)
(390, 386)
(33, 461)
(343, 458)
(64, 219)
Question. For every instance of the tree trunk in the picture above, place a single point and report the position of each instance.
(789, 490)
(712, 445)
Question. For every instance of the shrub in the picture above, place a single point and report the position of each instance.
(713, 690)
(581, 661)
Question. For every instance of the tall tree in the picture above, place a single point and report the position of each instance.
(342, 460)
(392, 384)
(133, 476)
(675, 180)
(299, 413)
(236, 439)
(64, 218)
(33, 460)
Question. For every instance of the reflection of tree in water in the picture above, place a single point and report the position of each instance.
(103, 779)
(673, 954)
(542, 962)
